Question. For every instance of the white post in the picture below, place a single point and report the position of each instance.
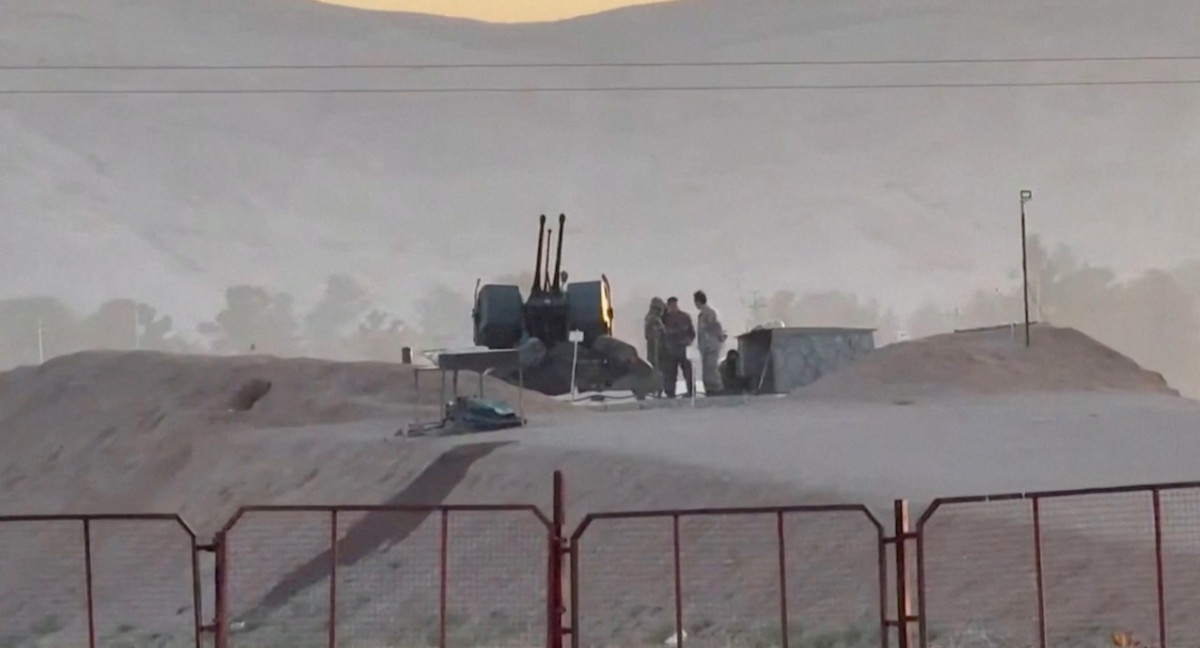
(137, 334)
(41, 346)
(575, 337)
(693, 385)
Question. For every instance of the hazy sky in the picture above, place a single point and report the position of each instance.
(500, 11)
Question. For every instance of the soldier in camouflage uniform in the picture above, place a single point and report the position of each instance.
(710, 338)
(655, 330)
(679, 336)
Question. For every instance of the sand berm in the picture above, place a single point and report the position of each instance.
(963, 413)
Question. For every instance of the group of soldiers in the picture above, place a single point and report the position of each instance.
(669, 333)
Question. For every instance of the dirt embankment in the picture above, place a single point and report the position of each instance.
(121, 432)
(144, 386)
(991, 361)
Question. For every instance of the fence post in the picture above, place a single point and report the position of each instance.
(555, 630)
(333, 578)
(197, 595)
(678, 580)
(1041, 581)
(221, 591)
(91, 598)
(1158, 568)
(904, 615)
(781, 541)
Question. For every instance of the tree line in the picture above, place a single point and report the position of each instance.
(1152, 317)
(344, 324)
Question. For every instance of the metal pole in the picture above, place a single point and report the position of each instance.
(1158, 562)
(41, 346)
(574, 366)
(783, 601)
(443, 586)
(903, 602)
(1041, 581)
(91, 598)
(678, 582)
(333, 577)
(692, 386)
(197, 596)
(1025, 197)
(556, 601)
(221, 591)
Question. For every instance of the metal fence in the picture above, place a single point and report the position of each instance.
(793, 576)
(1067, 569)
(99, 581)
(1063, 569)
(445, 576)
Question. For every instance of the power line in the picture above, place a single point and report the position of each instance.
(596, 89)
(620, 64)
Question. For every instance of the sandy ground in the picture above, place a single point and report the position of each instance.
(103, 433)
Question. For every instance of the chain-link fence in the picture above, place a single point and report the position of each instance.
(1071, 569)
(107, 581)
(1079, 569)
(418, 577)
(786, 577)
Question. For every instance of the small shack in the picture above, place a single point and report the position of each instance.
(780, 360)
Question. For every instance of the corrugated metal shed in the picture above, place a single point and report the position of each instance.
(780, 360)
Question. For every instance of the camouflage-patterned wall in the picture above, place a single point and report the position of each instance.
(799, 356)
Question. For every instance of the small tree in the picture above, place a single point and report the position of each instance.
(253, 320)
(344, 303)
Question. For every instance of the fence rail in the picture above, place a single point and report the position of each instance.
(1061, 569)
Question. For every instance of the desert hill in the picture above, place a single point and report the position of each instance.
(214, 190)
(992, 361)
(119, 432)
(140, 426)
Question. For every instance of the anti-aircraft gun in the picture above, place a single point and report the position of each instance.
(540, 327)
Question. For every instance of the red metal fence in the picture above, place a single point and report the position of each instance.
(445, 576)
(99, 580)
(791, 576)
(1052, 570)
(1063, 569)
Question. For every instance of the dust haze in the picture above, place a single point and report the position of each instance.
(347, 226)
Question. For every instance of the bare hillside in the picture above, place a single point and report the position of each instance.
(117, 431)
(206, 191)
(992, 361)
(143, 432)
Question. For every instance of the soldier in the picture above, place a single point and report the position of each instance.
(655, 330)
(711, 338)
(680, 333)
(731, 378)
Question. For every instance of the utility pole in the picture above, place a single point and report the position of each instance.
(1026, 196)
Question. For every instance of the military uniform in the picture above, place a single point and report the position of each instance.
(680, 333)
(711, 338)
(655, 330)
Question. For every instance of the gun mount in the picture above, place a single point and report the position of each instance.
(540, 326)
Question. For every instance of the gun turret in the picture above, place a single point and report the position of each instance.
(537, 266)
(546, 279)
(562, 228)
